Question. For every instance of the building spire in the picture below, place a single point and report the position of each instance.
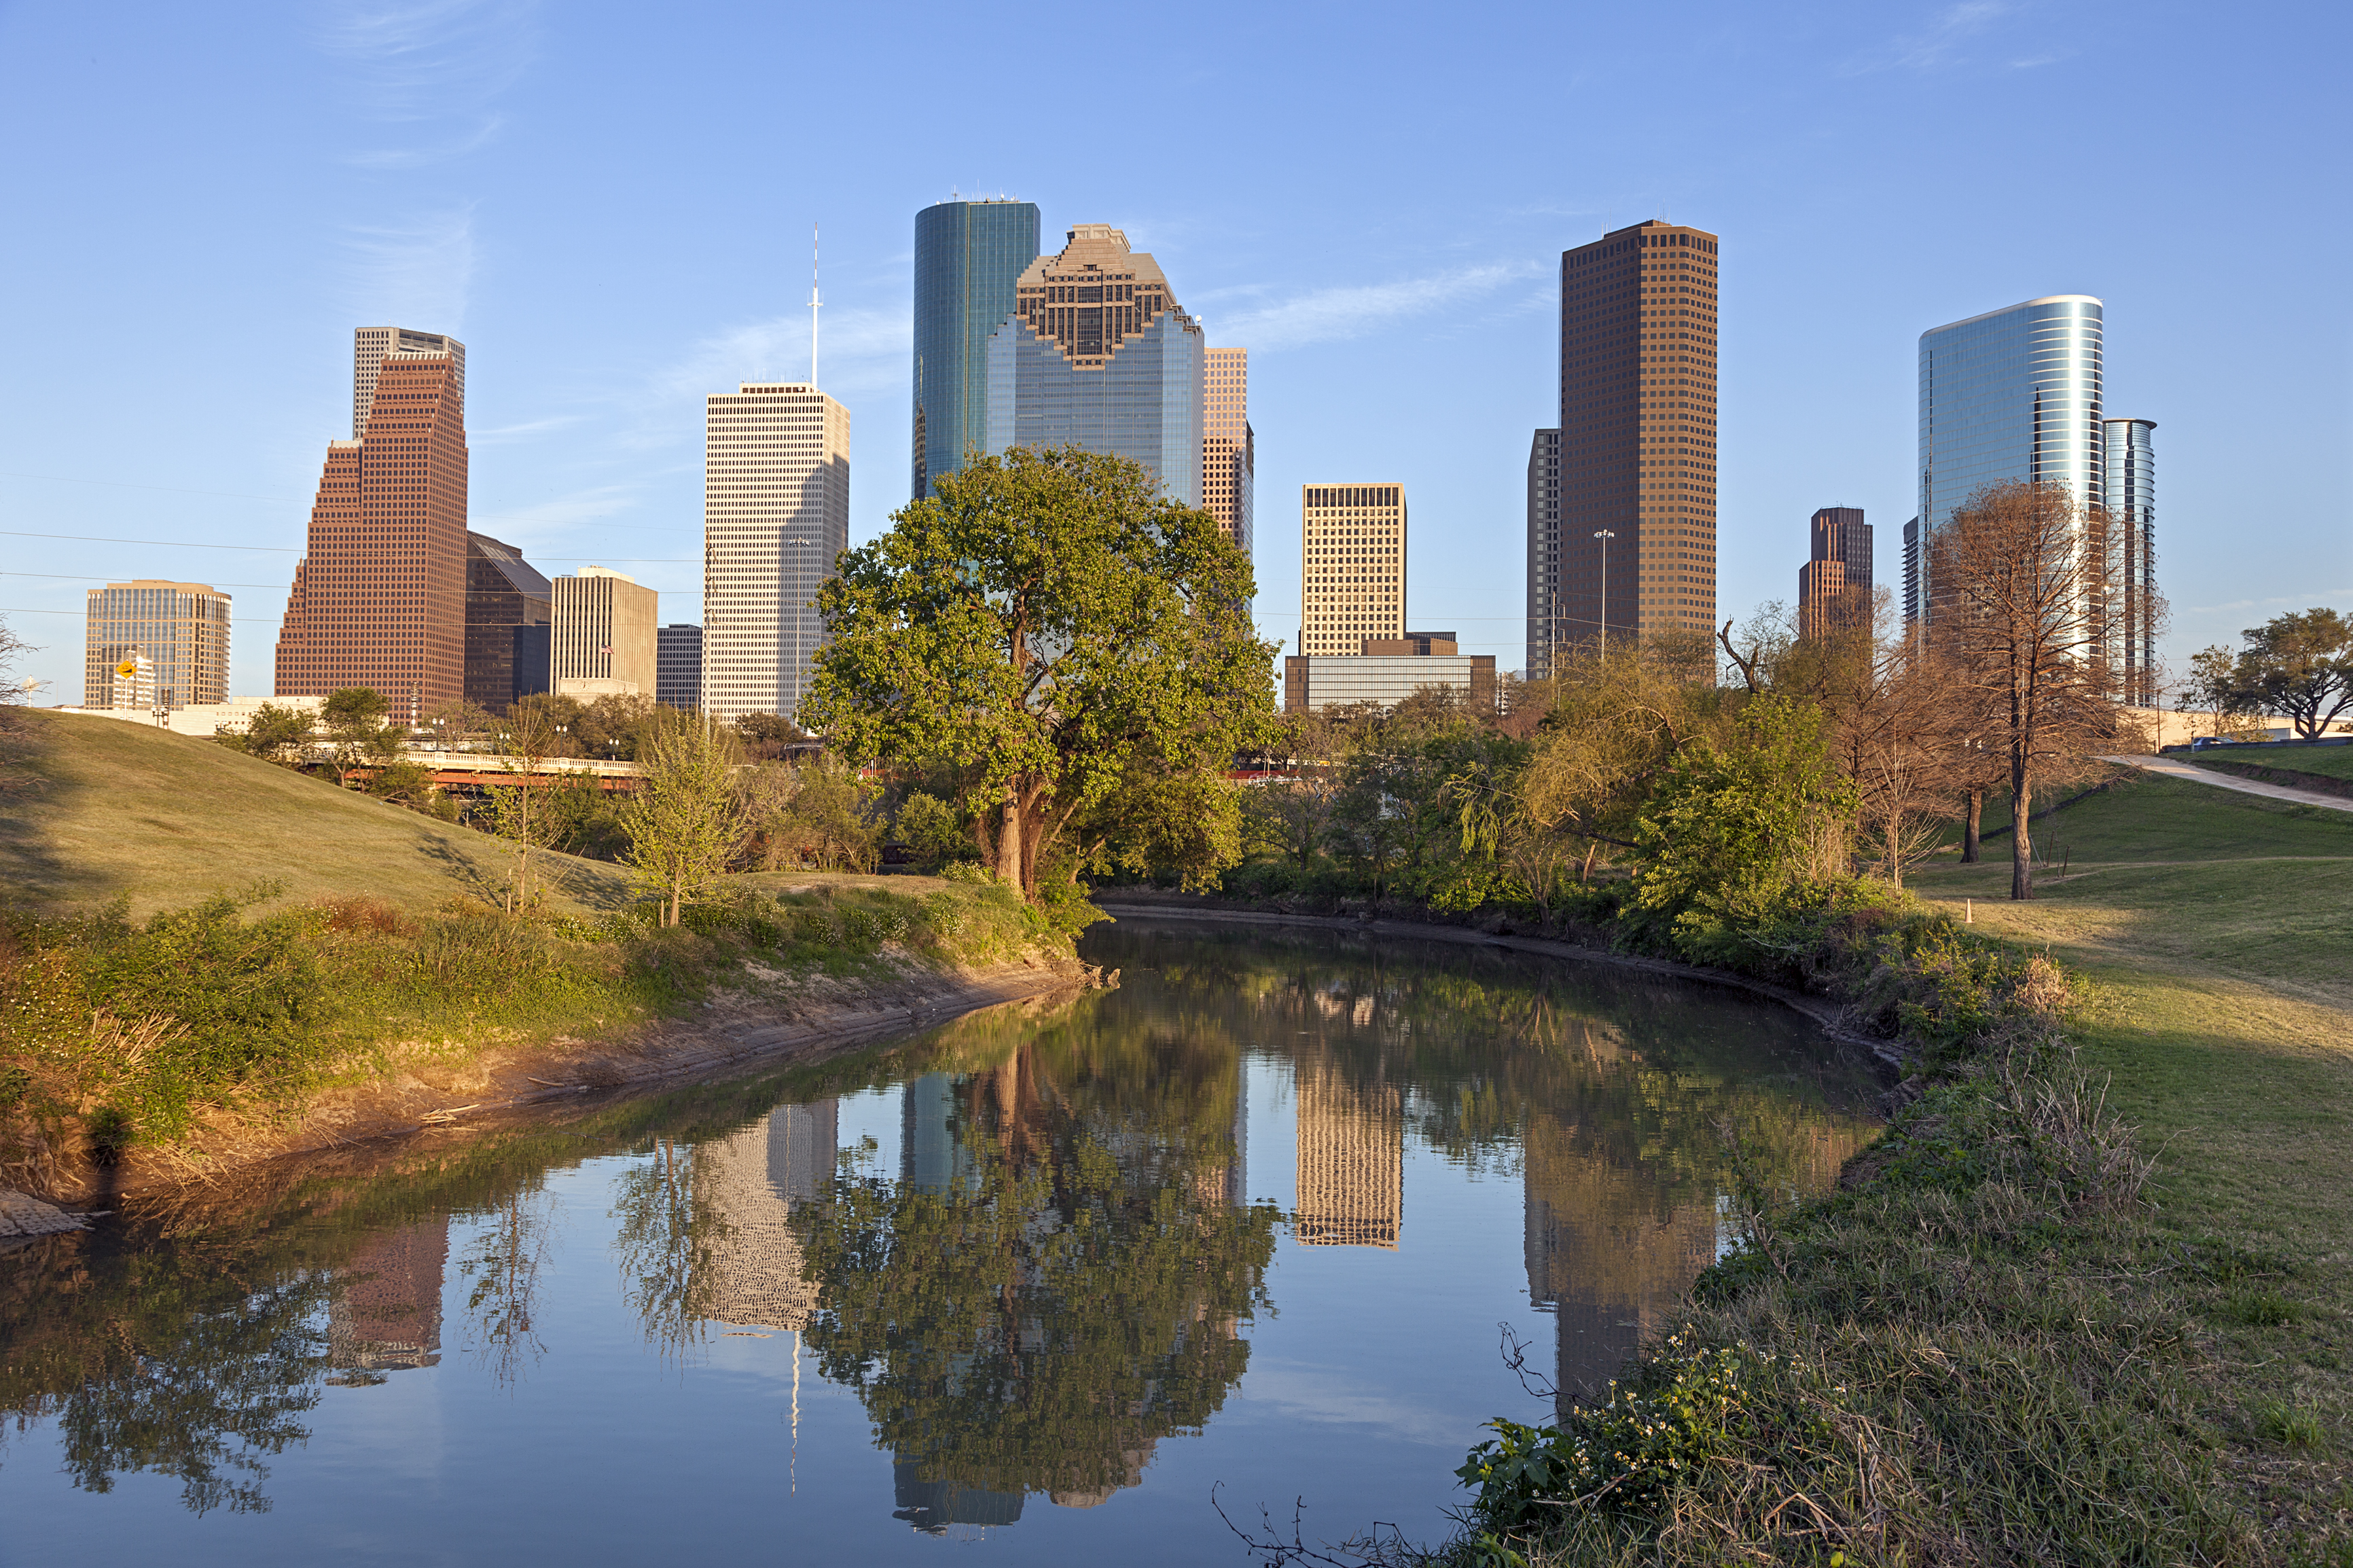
(814, 304)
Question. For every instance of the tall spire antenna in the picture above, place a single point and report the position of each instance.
(814, 304)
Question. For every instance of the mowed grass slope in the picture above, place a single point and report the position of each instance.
(2217, 930)
(2329, 762)
(92, 809)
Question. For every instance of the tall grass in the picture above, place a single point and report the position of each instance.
(116, 1034)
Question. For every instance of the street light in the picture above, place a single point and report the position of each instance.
(1605, 536)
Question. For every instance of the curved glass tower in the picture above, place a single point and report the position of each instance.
(969, 256)
(2013, 395)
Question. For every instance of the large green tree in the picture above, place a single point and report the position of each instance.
(2299, 666)
(1043, 627)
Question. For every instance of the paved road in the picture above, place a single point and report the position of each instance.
(2196, 775)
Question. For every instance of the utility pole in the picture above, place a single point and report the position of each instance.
(1605, 536)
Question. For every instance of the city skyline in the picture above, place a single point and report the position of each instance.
(1398, 310)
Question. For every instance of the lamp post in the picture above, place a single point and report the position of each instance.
(1605, 536)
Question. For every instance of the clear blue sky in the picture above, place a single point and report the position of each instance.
(611, 205)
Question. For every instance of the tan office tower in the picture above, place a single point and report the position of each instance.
(1352, 578)
(1637, 443)
(1229, 447)
(1351, 1155)
(776, 514)
(181, 630)
(602, 635)
(379, 597)
(371, 346)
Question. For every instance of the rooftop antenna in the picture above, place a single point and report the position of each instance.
(814, 304)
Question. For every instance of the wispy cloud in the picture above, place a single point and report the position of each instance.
(508, 435)
(858, 351)
(2242, 606)
(1330, 315)
(412, 275)
(436, 66)
(1939, 45)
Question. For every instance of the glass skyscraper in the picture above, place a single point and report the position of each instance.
(2012, 396)
(969, 257)
(1098, 356)
(2131, 499)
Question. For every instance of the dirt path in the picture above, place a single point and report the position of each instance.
(2174, 770)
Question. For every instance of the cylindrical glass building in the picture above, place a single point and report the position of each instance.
(2011, 395)
(2131, 503)
(969, 256)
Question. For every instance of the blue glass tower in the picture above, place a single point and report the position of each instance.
(1100, 356)
(2008, 396)
(969, 256)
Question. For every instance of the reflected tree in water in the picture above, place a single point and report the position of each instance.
(671, 1231)
(1059, 1276)
(503, 1263)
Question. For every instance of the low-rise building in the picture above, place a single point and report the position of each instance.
(1387, 672)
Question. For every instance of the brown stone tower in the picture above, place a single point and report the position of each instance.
(1228, 448)
(1637, 439)
(1834, 584)
(379, 598)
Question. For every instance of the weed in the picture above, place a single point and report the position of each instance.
(2289, 1425)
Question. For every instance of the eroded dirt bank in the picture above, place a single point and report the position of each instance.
(803, 1020)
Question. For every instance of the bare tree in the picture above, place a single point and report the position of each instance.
(2026, 608)
(518, 812)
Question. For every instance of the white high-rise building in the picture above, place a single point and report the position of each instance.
(776, 514)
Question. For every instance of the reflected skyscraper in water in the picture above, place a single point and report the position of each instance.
(755, 1178)
(1351, 1159)
(387, 1314)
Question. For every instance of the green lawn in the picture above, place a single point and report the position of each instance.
(2329, 762)
(93, 808)
(2217, 930)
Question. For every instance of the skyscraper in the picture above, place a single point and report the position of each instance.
(1834, 584)
(1351, 1161)
(379, 597)
(1100, 356)
(678, 668)
(2129, 457)
(508, 606)
(1352, 576)
(1228, 446)
(775, 515)
(2012, 396)
(180, 628)
(1637, 441)
(968, 257)
(602, 635)
(1545, 627)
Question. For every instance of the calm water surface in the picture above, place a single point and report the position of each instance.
(1028, 1287)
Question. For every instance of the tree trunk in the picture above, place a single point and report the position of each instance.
(2022, 842)
(1969, 830)
(1009, 845)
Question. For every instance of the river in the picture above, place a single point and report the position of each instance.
(1045, 1281)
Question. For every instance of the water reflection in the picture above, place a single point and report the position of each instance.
(1024, 1244)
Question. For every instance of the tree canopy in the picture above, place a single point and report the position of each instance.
(1042, 630)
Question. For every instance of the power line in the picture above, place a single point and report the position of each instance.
(289, 550)
(83, 577)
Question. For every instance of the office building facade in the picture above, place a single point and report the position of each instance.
(1637, 442)
(2012, 396)
(507, 607)
(776, 516)
(2128, 477)
(179, 629)
(1100, 356)
(1390, 670)
(1228, 446)
(379, 597)
(678, 668)
(1545, 627)
(1352, 566)
(1834, 586)
(969, 259)
(601, 636)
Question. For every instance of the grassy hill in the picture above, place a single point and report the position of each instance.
(93, 808)
(2329, 762)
